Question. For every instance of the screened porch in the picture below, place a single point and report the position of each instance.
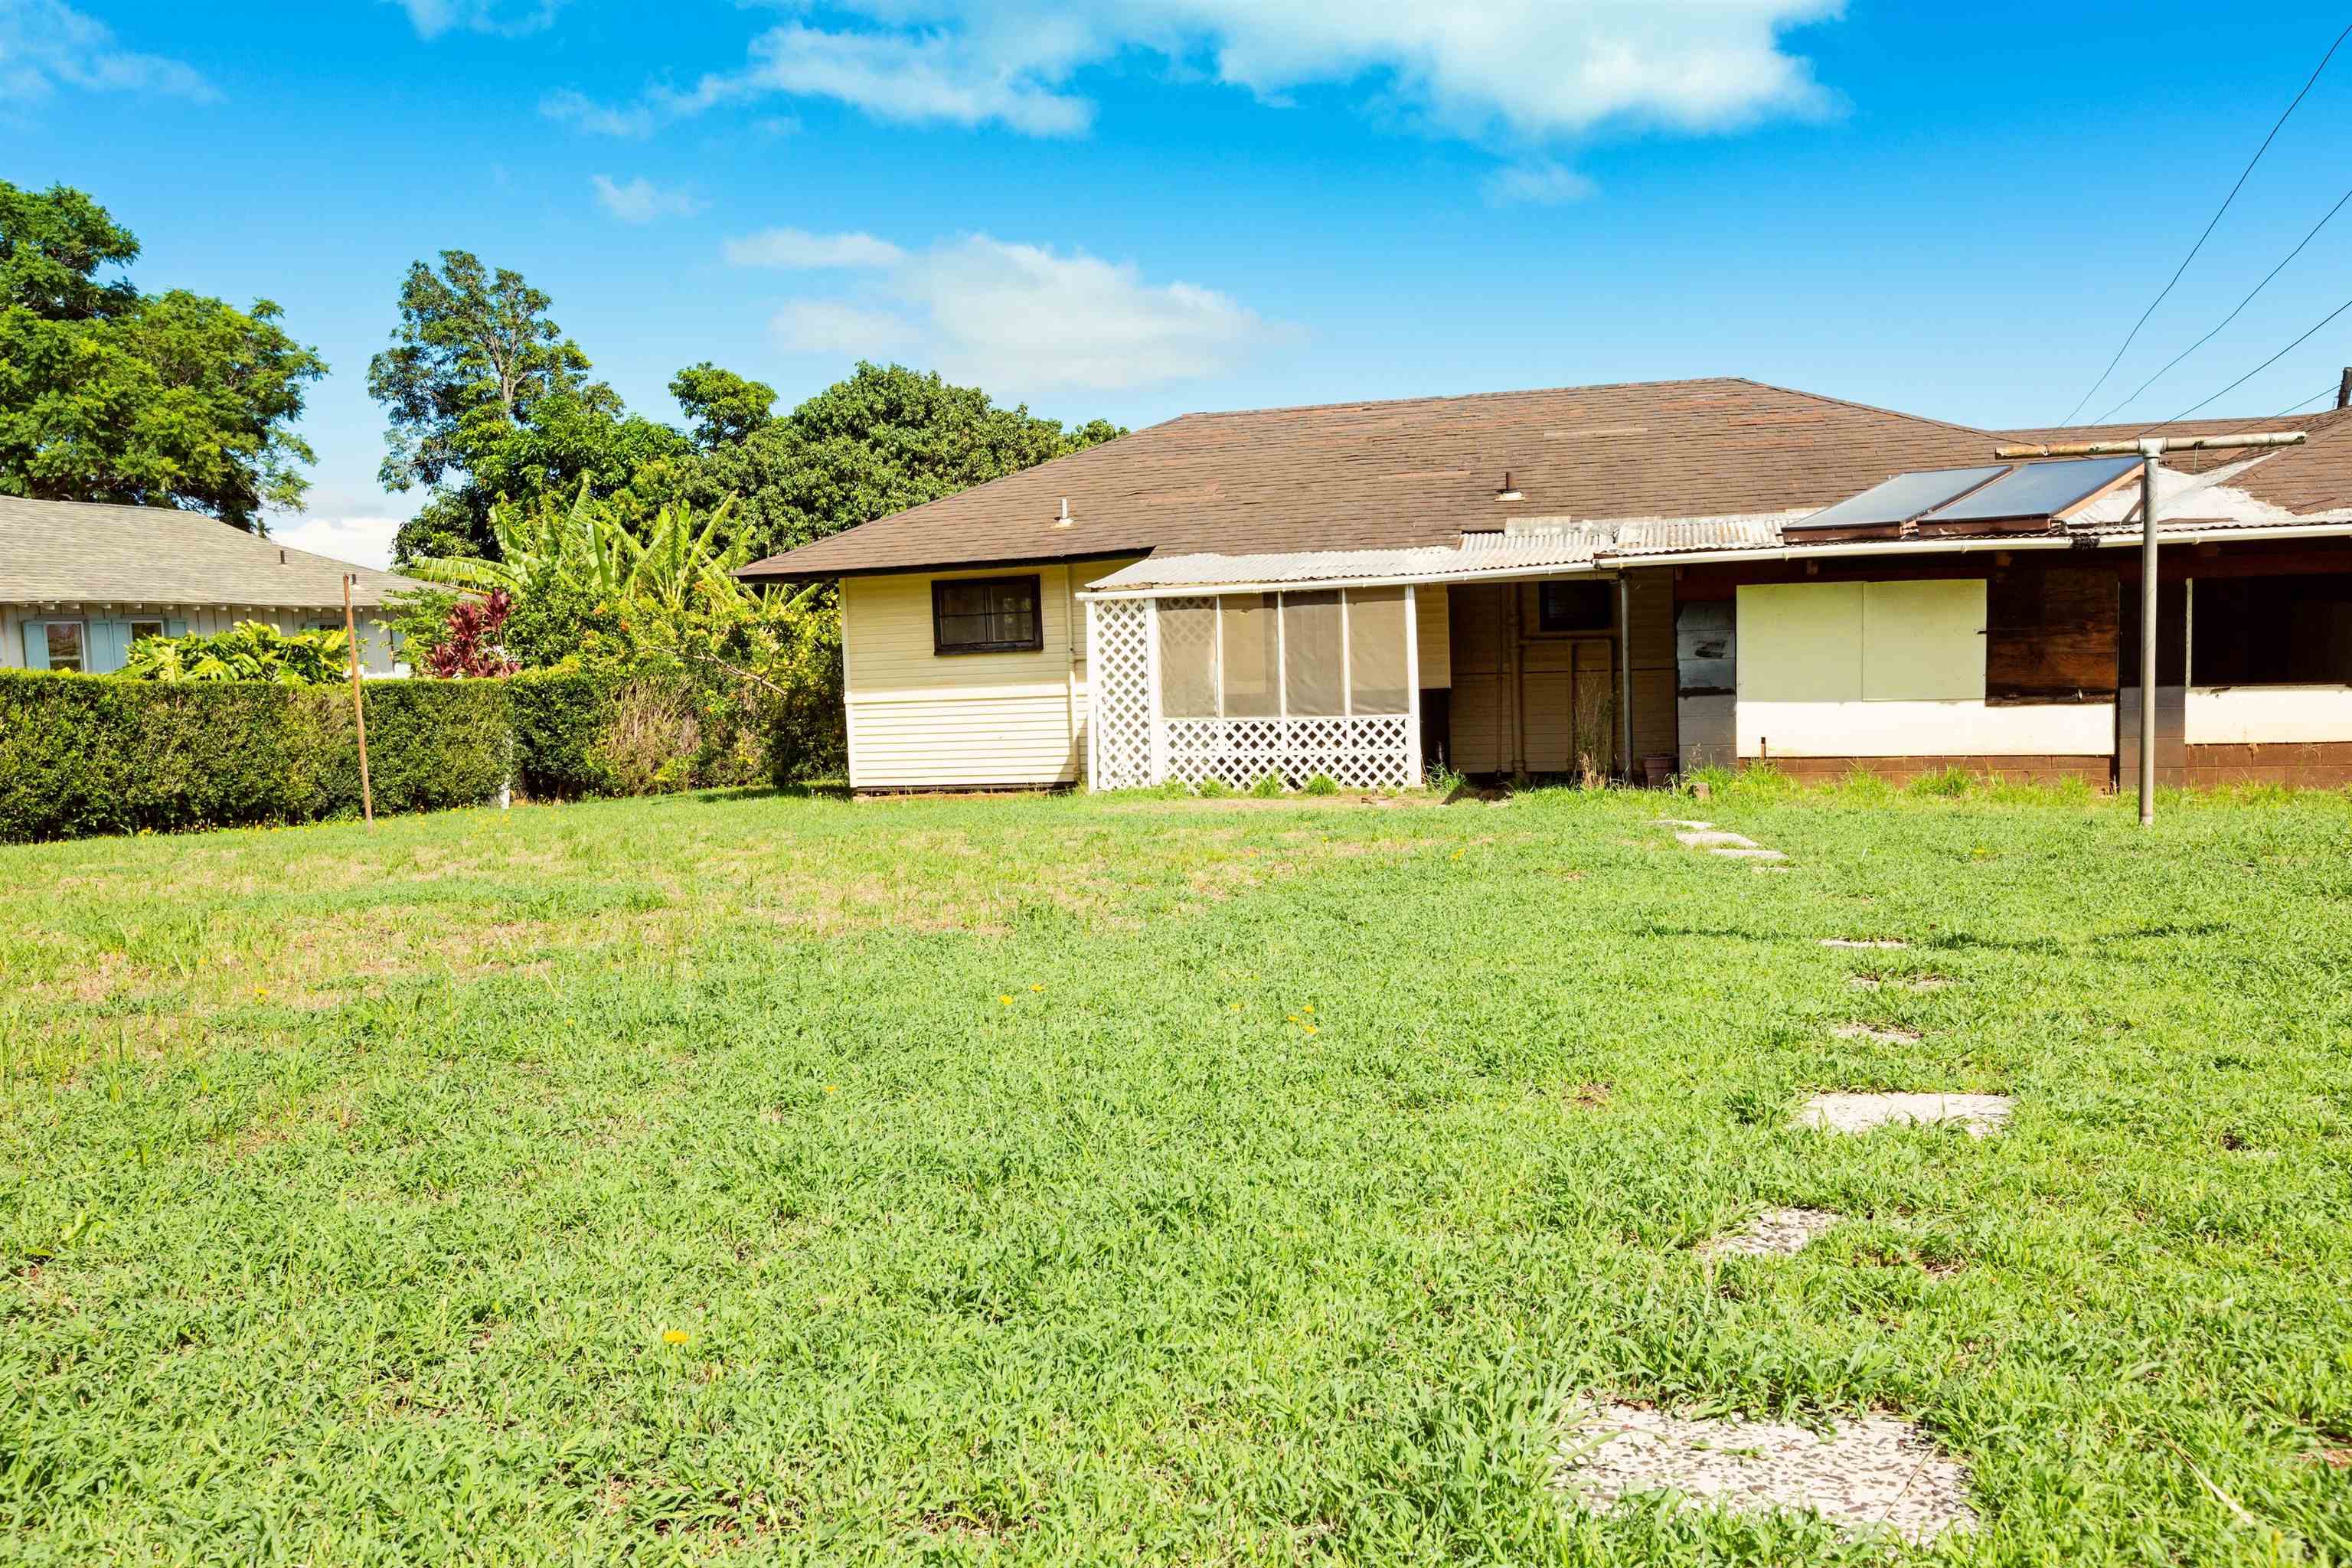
(1236, 686)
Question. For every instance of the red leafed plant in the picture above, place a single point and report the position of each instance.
(471, 648)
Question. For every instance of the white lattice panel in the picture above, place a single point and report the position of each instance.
(1119, 694)
(1367, 752)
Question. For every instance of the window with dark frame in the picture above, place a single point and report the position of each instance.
(2271, 631)
(986, 614)
(65, 639)
(141, 630)
(1576, 607)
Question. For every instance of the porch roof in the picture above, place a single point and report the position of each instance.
(2193, 506)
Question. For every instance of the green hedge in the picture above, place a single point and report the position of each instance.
(87, 754)
(560, 716)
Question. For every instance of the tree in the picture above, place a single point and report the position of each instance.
(109, 395)
(722, 406)
(883, 440)
(487, 400)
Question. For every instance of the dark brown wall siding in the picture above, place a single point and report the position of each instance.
(2094, 770)
(2050, 635)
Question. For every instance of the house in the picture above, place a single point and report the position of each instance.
(1622, 579)
(81, 581)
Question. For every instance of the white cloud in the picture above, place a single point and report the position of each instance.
(1022, 318)
(798, 247)
(1519, 71)
(1542, 184)
(431, 18)
(45, 45)
(642, 201)
(838, 327)
(577, 108)
(361, 541)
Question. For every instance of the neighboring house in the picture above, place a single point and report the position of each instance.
(81, 581)
(1669, 574)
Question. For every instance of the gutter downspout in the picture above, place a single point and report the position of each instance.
(1518, 703)
(1624, 678)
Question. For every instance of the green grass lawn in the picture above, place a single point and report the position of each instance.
(763, 1178)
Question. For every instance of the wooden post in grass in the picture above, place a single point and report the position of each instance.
(2147, 449)
(359, 709)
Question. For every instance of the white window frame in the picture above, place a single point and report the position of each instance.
(81, 643)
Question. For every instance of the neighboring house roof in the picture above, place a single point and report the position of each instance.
(1417, 473)
(59, 552)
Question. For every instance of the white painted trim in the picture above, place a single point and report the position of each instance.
(1413, 761)
(2266, 715)
(1956, 727)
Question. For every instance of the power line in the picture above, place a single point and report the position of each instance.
(2258, 369)
(2232, 316)
(2210, 226)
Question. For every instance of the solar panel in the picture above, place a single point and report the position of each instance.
(2037, 489)
(1902, 498)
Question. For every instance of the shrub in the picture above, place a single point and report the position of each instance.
(1214, 788)
(559, 718)
(651, 738)
(1268, 787)
(85, 754)
(1321, 784)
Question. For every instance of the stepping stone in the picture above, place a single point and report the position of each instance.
(1678, 822)
(1874, 1475)
(1887, 942)
(1751, 854)
(1900, 982)
(1703, 838)
(1981, 1114)
(1774, 1232)
(1888, 1036)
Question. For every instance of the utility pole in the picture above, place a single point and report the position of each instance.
(2149, 448)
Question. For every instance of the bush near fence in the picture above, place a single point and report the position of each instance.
(85, 754)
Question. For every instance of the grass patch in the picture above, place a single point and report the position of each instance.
(737, 1177)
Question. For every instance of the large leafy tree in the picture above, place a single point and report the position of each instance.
(109, 395)
(487, 400)
(882, 440)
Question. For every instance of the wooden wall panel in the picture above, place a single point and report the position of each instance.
(2051, 634)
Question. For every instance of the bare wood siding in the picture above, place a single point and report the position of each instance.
(917, 719)
(1650, 659)
(1479, 653)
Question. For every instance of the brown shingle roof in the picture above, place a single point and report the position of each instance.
(2313, 477)
(54, 551)
(1360, 476)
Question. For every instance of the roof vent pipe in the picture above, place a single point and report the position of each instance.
(1510, 492)
(1065, 518)
(281, 558)
(2344, 389)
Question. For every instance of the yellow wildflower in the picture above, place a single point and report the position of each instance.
(833, 1089)
(1036, 988)
(1307, 1007)
(1007, 1000)
(1310, 1028)
(675, 1336)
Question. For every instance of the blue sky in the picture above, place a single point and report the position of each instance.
(1137, 207)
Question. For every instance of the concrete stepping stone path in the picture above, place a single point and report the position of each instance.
(1981, 1114)
(1869, 1477)
(1900, 982)
(1774, 1233)
(1896, 1036)
(1883, 942)
(1714, 840)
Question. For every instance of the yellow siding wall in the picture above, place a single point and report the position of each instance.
(1432, 639)
(918, 720)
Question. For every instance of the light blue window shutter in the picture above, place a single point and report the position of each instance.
(109, 646)
(175, 628)
(36, 644)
